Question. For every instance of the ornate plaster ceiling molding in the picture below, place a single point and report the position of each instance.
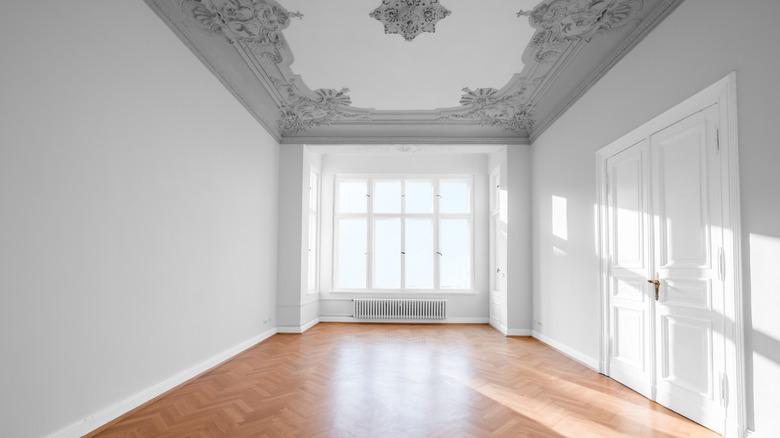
(560, 23)
(242, 42)
(489, 107)
(256, 23)
(410, 18)
(300, 112)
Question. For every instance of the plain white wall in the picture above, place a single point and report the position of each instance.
(296, 306)
(462, 307)
(292, 269)
(698, 44)
(519, 249)
(137, 211)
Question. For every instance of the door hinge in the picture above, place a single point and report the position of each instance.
(717, 140)
(724, 389)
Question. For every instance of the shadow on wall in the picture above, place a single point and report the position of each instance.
(760, 254)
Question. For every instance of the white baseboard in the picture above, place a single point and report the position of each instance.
(120, 408)
(751, 434)
(568, 351)
(410, 321)
(519, 332)
(298, 328)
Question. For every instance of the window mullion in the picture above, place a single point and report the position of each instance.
(436, 219)
(370, 237)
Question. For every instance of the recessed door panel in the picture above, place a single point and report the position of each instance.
(682, 209)
(689, 292)
(686, 344)
(629, 337)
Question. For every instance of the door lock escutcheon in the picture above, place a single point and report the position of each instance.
(657, 283)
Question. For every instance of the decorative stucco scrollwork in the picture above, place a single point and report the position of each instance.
(562, 22)
(300, 113)
(487, 107)
(256, 23)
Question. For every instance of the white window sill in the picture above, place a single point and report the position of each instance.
(407, 293)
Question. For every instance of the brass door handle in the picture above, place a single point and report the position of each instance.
(657, 283)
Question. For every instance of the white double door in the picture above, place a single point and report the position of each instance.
(663, 221)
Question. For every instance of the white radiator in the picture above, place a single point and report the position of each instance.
(400, 308)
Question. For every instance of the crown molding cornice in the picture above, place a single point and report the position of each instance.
(212, 66)
(638, 34)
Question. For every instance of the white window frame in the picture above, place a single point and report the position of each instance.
(313, 276)
(435, 218)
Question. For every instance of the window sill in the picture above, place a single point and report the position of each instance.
(397, 293)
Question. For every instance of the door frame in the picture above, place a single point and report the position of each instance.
(724, 93)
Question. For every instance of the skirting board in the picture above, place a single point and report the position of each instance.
(122, 407)
(410, 321)
(568, 351)
(298, 328)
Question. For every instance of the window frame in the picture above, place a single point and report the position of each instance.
(313, 244)
(435, 216)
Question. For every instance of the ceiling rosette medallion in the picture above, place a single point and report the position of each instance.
(410, 18)
(256, 23)
(562, 22)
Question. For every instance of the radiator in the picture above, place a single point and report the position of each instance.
(400, 308)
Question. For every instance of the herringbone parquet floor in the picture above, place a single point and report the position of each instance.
(398, 380)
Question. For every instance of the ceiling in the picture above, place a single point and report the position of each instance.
(454, 71)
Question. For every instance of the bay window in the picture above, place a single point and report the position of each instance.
(408, 234)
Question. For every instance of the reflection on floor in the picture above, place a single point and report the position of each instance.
(400, 380)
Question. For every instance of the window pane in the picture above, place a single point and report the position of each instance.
(387, 253)
(454, 247)
(387, 197)
(352, 196)
(419, 197)
(352, 253)
(419, 253)
(454, 197)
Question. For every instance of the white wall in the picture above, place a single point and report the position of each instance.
(699, 43)
(297, 308)
(472, 307)
(137, 211)
(519, 249)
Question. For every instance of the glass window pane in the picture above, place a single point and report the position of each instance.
(419, 197)
(387, 253)
(454, 197)
(455, 266)
(352, 253)
(387, 197)
(419, 253)
(352, 196)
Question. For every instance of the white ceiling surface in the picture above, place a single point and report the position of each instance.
(338, 45)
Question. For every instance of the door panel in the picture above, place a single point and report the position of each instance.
(627, 230)
(689, 309)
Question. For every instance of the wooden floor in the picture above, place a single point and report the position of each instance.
(398, 380)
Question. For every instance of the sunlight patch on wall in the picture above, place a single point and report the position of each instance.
(560, 222)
